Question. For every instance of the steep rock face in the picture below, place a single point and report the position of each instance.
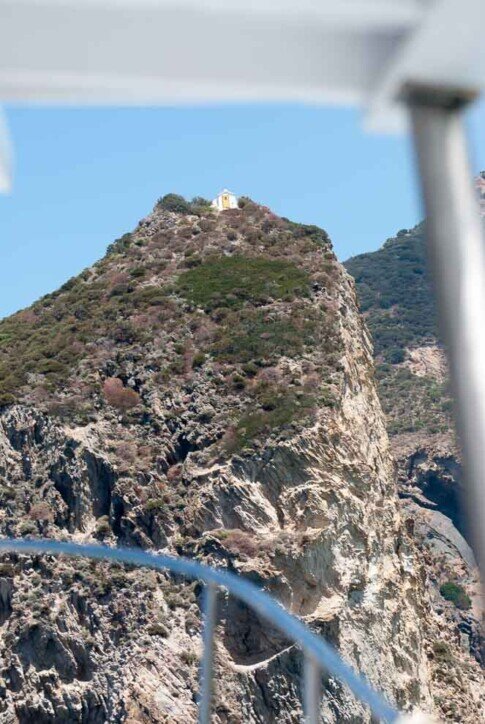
(431, 491)
(396, 297)
(206, 389)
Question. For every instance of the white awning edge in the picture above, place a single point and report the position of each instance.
(5, 155)
(446, 50)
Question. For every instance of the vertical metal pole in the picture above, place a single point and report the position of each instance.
(311, 690)
(207, 663)
(457, 255)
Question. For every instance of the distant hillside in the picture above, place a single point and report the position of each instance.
(395, 294)
(396, 297)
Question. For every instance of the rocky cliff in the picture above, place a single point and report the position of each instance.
(397, 299)
(207, 389)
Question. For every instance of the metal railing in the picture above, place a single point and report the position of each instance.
(319, 656)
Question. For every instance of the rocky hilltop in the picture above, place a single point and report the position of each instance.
(207, 389)
(397, 300)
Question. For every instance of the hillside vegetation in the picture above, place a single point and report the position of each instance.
(228, 294)
(397, 299)
(395, 294)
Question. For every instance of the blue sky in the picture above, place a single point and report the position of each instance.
(85, 176)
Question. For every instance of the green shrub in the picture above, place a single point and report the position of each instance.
(174, 202)
(50, 365)
(396, 276)
(250, 368)
(138, 272)
(199, 205)
(6, 398)
(410, 402)
(189, 658)
(233, 281)
(158, 629)
(201, 201)
(238, 382)
(254, 334)
(198, 359)
(154, 504)
(285, 408)
(395, 356)
(396, 294)
(70, 284)
(103, 527)
(120, 245)
(442, 651)
(149, 296)
(27, 528)
(456, 594)
(311, 232)
(192, 262)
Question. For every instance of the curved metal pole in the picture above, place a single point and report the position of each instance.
(256, 599)
(457, 254)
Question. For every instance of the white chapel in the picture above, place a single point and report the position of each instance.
(225, 200)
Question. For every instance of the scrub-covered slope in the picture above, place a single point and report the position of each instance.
(396, 298)
(206, 389)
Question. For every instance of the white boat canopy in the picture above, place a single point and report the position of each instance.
(399, 60)
(185, 51)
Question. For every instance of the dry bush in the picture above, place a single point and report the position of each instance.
(77, 346)
(188, 356)
(207, 225)
(144, 320)
(147, 453)
(123, 333)
(270, 375)
(185, 232)
(311, 381)
(244, 544)
(118, 396)
(41, 511)
(206, 331)
(27, 315)
(230, 439)
(174, 473)
(126, 452)
(247, 545)
(159, 240)
(116, 277)
(67, 407)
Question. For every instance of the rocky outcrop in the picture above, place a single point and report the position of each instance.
(269, 458)
(427, 361)
(431, 488)
(396, 296)
(430, 473)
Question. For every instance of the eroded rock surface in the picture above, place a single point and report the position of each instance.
(397, 299)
